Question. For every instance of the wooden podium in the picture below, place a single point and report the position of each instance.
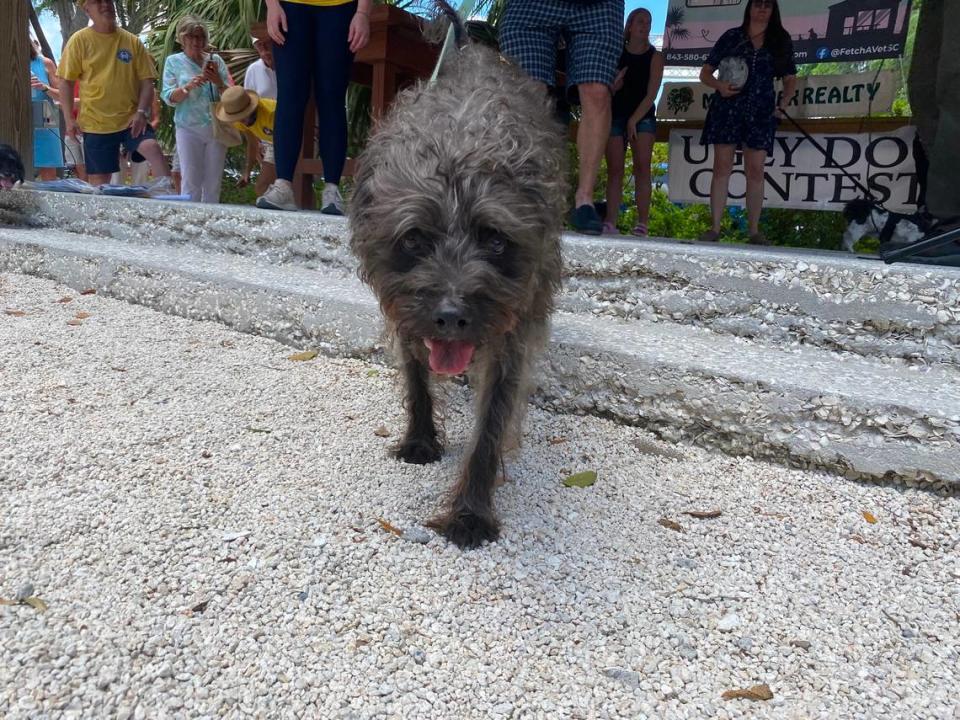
(396, 56)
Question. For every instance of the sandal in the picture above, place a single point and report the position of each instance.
(609, 229)
(640, 230)
(709, 236)
(758, 238)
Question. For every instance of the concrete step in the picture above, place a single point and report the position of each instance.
(778, 296)
(871, 417)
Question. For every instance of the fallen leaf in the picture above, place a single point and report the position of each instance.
(757, 692)
(82, 315)
(65, 299)
(581, 479)
(803, 644)
(373, 373)
(36, 603)
(259, 430)
(74, 322)
(703, 514)
(226, 343)
(869, 517)
(557, 440)
(119, 369)
(88, 291)
(200, 606)
(15, 313)
(303, 356)
(382, 431)
(5, 601)
(670, 524)
(389, 527)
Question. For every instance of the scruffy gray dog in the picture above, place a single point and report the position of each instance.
(456, 221)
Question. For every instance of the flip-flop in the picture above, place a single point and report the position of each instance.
(709, 236)
(640, 230)
(610, 229)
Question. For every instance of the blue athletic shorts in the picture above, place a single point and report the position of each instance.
(593, 32)
(618, 126)
(102, 150)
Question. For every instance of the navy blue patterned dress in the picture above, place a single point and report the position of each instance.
(746, 119)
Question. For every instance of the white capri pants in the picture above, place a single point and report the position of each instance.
(201, 163)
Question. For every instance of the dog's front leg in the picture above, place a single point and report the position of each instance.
(470, 518)
(420, 444)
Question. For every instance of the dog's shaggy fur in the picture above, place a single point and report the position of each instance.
(866, 218)
(456, 220)
(11, 167)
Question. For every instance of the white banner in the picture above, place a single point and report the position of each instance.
(798, 175)
(856, 95)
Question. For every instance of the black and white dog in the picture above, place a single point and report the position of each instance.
(865, 217)
(11, 167)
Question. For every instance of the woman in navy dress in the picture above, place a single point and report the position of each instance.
(746, 116)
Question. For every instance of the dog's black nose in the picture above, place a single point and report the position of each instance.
(449, 318)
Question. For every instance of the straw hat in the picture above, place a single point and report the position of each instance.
(236, 103)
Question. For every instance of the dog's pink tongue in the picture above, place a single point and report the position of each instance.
(449, 357)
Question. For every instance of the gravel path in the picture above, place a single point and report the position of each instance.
(200, 515)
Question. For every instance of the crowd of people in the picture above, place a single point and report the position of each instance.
(105, 88)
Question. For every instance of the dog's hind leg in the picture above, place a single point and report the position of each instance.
(420, 444)
(470, 519)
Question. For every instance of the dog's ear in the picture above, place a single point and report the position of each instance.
(857, 210)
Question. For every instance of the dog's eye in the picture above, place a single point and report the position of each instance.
(494, 241)
(412, 243)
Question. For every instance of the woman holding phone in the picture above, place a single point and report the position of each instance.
(743, 111)
(192, 80)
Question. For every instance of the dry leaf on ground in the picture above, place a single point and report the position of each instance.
(670, 524)
(757, 692)
(390, 528)
(557, 440)
(88, 291)
(373, 372)
(82, 315)
(581, 479)
(303, 356)
(703, 514)
(65, 299)
(382, 431)
(869, 517)
(259, 430)
(15, 313)
(74, 322)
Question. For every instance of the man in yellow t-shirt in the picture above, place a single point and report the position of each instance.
(116, 75)
(251, 114)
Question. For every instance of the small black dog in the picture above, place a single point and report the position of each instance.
(456, 221)
(11, 167)
(865, 217)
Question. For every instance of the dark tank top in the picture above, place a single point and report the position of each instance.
(635, 83)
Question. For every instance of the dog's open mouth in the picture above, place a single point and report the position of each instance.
(449, 357)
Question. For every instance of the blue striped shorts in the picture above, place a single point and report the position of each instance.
(593, 33)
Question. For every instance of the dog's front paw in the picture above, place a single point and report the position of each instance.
(466, 529)
(418, 452)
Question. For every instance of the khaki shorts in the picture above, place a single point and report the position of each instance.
(266, 151)
(74, 151)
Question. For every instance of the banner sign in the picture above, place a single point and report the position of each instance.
(800, 176)
(856, 95)
(821, 30)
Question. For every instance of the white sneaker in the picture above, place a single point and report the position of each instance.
(332, 202)
(279, 196)
(161, 186)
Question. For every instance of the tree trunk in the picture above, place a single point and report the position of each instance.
(16, 116)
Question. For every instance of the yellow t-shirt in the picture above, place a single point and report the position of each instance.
(262, 125)
(109, 67)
